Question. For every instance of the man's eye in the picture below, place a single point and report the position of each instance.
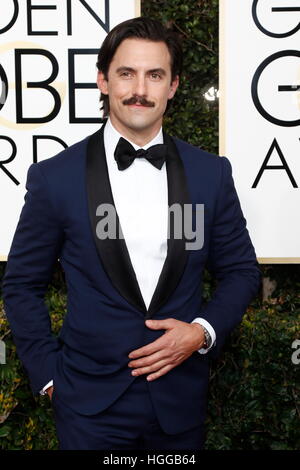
(155, 76)
(126, 74)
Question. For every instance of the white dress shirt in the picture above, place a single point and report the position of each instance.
(140, 194)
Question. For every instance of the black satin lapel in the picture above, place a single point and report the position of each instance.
(177, 254)
(113, 253)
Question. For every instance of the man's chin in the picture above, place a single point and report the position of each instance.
(139, 124)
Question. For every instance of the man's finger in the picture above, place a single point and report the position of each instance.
(150, 348)
(149, 360)
(160, 372)
(151, 368)
(165, 324)
(159, 343)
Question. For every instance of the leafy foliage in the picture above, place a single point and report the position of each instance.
(254, 400)
(191, 117)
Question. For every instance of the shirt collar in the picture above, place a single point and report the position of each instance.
(112, 136)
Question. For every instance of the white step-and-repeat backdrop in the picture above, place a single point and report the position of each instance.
(48, 93)
(260, 119)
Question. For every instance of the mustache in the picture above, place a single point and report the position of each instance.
(139, 99)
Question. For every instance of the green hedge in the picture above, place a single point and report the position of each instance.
(254, 398)
(191, 116)
(254, 401)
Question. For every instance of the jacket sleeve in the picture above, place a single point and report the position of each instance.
(34, 250)
(232, 261)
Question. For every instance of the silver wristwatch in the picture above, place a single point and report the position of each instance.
(207, 342)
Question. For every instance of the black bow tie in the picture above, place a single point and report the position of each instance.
(125, 154)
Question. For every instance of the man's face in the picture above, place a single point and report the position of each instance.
(139, 86)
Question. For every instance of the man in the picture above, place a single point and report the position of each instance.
(117, 380)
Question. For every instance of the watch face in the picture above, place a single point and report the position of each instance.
(207, 338)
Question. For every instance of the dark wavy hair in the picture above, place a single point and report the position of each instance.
(140, 28)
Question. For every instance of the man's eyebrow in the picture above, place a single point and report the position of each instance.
(158, 70)
(125, 69)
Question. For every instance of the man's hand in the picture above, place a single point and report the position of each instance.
(180, 340)
(49, 390)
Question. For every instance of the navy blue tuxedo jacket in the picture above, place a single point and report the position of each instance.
(105, 317)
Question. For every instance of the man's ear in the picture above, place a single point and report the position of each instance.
(173, 87)
(102, 83)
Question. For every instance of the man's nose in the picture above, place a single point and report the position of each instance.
(140, 86)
